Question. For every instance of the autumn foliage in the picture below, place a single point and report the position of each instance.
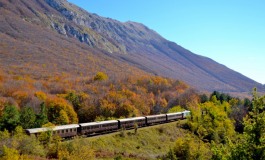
(66, 100)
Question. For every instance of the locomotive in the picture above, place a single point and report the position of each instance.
(71, 130)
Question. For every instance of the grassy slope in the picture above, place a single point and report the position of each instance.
(148, 143)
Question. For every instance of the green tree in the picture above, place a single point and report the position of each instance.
(204, 98)
(27, 118)
(10, 118)
(42, 117)
(214, 124)
(74, 99)
(252, 143)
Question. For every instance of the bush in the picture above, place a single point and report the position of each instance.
(100, 76)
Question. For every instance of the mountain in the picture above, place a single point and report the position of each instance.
(47, 37)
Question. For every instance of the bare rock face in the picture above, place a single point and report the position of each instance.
(111, 41)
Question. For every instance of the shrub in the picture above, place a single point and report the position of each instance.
(100, 76)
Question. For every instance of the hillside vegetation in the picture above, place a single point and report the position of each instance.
(52, 37)
(220, 127)
(63, 100)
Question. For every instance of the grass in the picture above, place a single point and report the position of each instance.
(149, 142)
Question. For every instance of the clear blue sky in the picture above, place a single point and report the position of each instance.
(232, 32)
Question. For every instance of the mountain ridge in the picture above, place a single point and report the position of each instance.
(129, 43)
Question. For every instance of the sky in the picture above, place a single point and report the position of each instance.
(231, 32)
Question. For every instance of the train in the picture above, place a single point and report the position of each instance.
(90, 128)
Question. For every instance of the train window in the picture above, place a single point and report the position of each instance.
(71, 130)
(62, 131)
(66, 130)
(75, 129)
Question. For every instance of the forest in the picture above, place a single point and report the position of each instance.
(220, 126)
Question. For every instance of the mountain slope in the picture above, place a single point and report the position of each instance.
(55, 28)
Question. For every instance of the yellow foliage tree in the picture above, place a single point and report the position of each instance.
(211, 122)
(10, 154)
(59, 109)
(175, 109)
(40, 95)
(101, 76)
(63, 118)
(75, 150)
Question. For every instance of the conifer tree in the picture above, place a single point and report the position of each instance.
(27, 118)
(42, 118)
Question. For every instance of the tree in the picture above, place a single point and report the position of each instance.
(27, 118)
(100, 76)
(204, 98)
(252, 143)
(10, 118)
(9, 154)
(175, 109)
(42, 117)
(189, 148)
(55, 105)
(74, 99)
(75, 150)
(46, 137)
(214, 124)
(62, 118)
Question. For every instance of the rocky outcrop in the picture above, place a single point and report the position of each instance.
(77, 24)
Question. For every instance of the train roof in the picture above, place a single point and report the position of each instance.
(174, 113)
(131, 119)
(97, 123)
(37, 130)
(158, 115)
